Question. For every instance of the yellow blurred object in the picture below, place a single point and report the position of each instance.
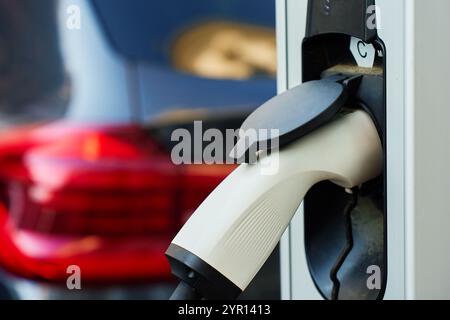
(226, 50)
(82, 246)
(91, 148)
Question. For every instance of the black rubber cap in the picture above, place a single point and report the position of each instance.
(198, 278)
(294, 114)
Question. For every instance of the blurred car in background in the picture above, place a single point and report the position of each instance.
(87, 109)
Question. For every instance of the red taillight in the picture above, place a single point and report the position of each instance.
(107, 199)
(106, 184)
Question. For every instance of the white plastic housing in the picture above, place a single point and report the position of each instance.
(240, 223)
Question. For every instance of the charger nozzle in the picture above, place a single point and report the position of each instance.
(233, 232)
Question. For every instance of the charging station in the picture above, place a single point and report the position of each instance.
(389, 241)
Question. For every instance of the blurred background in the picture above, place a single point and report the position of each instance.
(90, 92)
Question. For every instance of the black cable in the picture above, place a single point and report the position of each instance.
(185, 292)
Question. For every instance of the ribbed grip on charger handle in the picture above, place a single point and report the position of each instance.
(238, 226)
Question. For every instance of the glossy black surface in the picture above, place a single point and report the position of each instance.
(295, 113)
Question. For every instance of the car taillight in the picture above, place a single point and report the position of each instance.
(99, 184)
(102, 183)
(107, 199)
